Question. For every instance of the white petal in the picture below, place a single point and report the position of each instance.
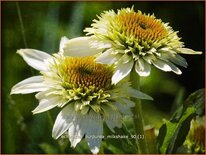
(123, 108)
(107, 57)
(160, 64)
(166, 63)
(112, 118)
(63, 121)
(179, 60)
(47, 104)
(30, 85)
(74, 132)
(50, 92)
(122, 71)
(174, 68)
(187, 51)
(34, 58)
(167, 50)
(78, 128)
(94, 132)
(173, 57)
(129, 102)
(149, 58)
(125, 58)
(63, 41)
(138, 94)
(80, 47)
(142, 68)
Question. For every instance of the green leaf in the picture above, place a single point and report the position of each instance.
(173, 132)
(196, 99)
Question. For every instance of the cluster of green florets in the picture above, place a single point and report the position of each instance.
(133, 32)
(83, 81)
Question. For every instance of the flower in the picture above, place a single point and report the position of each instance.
(83, 89)
(195, 140)
(133, 39)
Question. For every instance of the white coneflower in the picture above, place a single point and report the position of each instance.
(83, 89)
(128, 38)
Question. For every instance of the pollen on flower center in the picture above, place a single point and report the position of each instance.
(85, 72)
(140, 26)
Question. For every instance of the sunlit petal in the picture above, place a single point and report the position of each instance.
(122, 71)
(30, 85)
(80, 47)
(142, 68)
(35, 58)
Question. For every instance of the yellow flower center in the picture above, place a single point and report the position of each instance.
(85, 72)
(142, 27)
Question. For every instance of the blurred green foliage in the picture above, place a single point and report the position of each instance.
(172, 134)
(44, 25)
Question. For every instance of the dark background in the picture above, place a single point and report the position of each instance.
(45, 23)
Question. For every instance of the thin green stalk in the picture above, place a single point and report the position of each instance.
(137, 115)
(22, 29)
(21, 24)
(51, 122)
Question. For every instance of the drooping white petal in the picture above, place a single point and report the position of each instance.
(122, 71)
(129, 103)
(80, 47)
(63, 41)
(75, 131)
(160, 64)
(120, 90)
(124, 90)
(47, 104)
(125, 58)
(123, 108)
(63, 121)
(172, 56)
(138, 94)
(112, 118)
(107, 57)
(94, 131)
(34, 58)
(187, 51)
(30, 85)
(149, 58)
(174, 68)
(179, 60)
(142, 67)
(78, 128)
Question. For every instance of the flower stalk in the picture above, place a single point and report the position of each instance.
(137, 115)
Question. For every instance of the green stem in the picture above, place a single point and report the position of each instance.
(51, 122)
(22, 29)
(21, 24)
(137, 115)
